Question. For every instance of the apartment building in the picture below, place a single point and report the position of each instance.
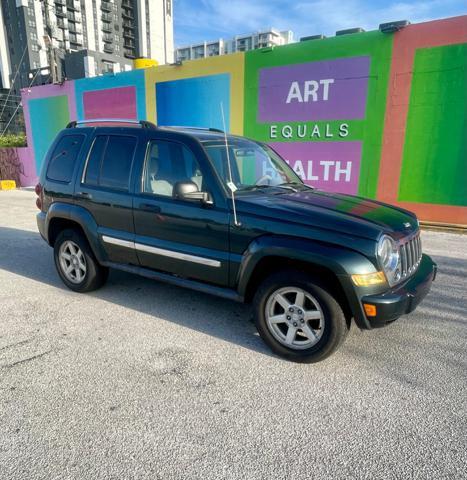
(239, 43)
(80, 37)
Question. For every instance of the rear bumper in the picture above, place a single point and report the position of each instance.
(404, 298)
(40, 217)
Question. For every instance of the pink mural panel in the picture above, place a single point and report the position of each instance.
(110, 103)
(29, 175)
(331, 166)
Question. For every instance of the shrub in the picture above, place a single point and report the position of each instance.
(13, 140)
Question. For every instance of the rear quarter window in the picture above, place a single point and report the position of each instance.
(64, 157)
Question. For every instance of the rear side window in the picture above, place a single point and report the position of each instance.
(109, 163)
(63, 160)
(116, 164)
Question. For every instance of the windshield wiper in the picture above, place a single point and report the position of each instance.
(253, 187)
(294, 185)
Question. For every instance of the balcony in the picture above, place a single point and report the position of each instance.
(105, 17)
(60, 13)
(76, 39)
(60, 2)
(127, 3)
(108, 38)
(106, 6)
(74, 28)
(127, 14)
(108, 48)
(71, 5)
(74, 17)
(128, 34)
(107, 27)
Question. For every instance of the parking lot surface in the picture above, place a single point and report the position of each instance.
(142, 380)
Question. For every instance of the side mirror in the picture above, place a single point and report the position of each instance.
(189, 191)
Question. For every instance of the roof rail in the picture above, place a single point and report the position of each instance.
(143, 123)
(185, 127)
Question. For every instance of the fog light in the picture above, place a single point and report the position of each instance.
(368, 279)
(370, 310)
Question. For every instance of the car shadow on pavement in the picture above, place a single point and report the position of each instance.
(24, 252)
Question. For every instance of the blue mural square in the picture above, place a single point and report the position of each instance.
(194, 102)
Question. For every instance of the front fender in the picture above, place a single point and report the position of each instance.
(342, 261)
(83, 218)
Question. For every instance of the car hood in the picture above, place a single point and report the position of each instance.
(348, 214)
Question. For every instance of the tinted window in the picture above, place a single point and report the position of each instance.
(94, 161)
(63, 159)
(110, 160)
(116, 164)
(168, 163)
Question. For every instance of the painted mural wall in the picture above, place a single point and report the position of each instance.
(371, 114)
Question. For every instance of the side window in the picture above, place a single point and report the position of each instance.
(63, 159)
(116, 163)
(168, 163)
(110, 160)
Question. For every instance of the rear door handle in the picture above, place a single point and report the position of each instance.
(83, 195)
(150, 207)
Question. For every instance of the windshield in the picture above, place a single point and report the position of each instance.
(253, 164)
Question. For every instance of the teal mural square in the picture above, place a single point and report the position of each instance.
(194, 102)
(48, 116)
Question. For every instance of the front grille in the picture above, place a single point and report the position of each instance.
(411, 254)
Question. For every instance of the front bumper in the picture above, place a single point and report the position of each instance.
(404, 298)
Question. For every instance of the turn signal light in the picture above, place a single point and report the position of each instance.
(370, 310)
(368, 279)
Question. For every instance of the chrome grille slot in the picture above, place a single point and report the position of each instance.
(403, 261)
(411, 254)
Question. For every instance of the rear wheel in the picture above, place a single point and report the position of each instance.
(299, 318)
(76, 264)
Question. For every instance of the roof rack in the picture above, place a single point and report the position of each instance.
(143, 123)
(206, 129)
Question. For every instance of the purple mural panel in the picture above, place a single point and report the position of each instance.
(325, 90)
(331, 166)
(110, 103)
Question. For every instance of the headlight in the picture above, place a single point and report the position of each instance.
(389, 259)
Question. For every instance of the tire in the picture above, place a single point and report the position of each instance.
(72, 250)
(280, 327)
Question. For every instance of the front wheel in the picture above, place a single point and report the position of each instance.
(298, 318)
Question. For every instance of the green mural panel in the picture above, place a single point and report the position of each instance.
(48, 116)
(364, 120)
(434, 168)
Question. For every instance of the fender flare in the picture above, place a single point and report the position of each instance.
(341, 261)
(84, 219)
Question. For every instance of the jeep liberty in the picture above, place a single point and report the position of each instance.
(225, 215)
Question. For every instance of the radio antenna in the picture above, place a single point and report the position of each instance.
(230, 183)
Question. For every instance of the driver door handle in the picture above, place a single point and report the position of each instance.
(149, 207)
(84, 195)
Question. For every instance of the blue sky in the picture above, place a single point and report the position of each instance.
(198, 20)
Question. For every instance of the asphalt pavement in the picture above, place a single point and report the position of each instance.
(142, 380)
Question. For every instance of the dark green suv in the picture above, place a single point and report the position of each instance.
(225, 215)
